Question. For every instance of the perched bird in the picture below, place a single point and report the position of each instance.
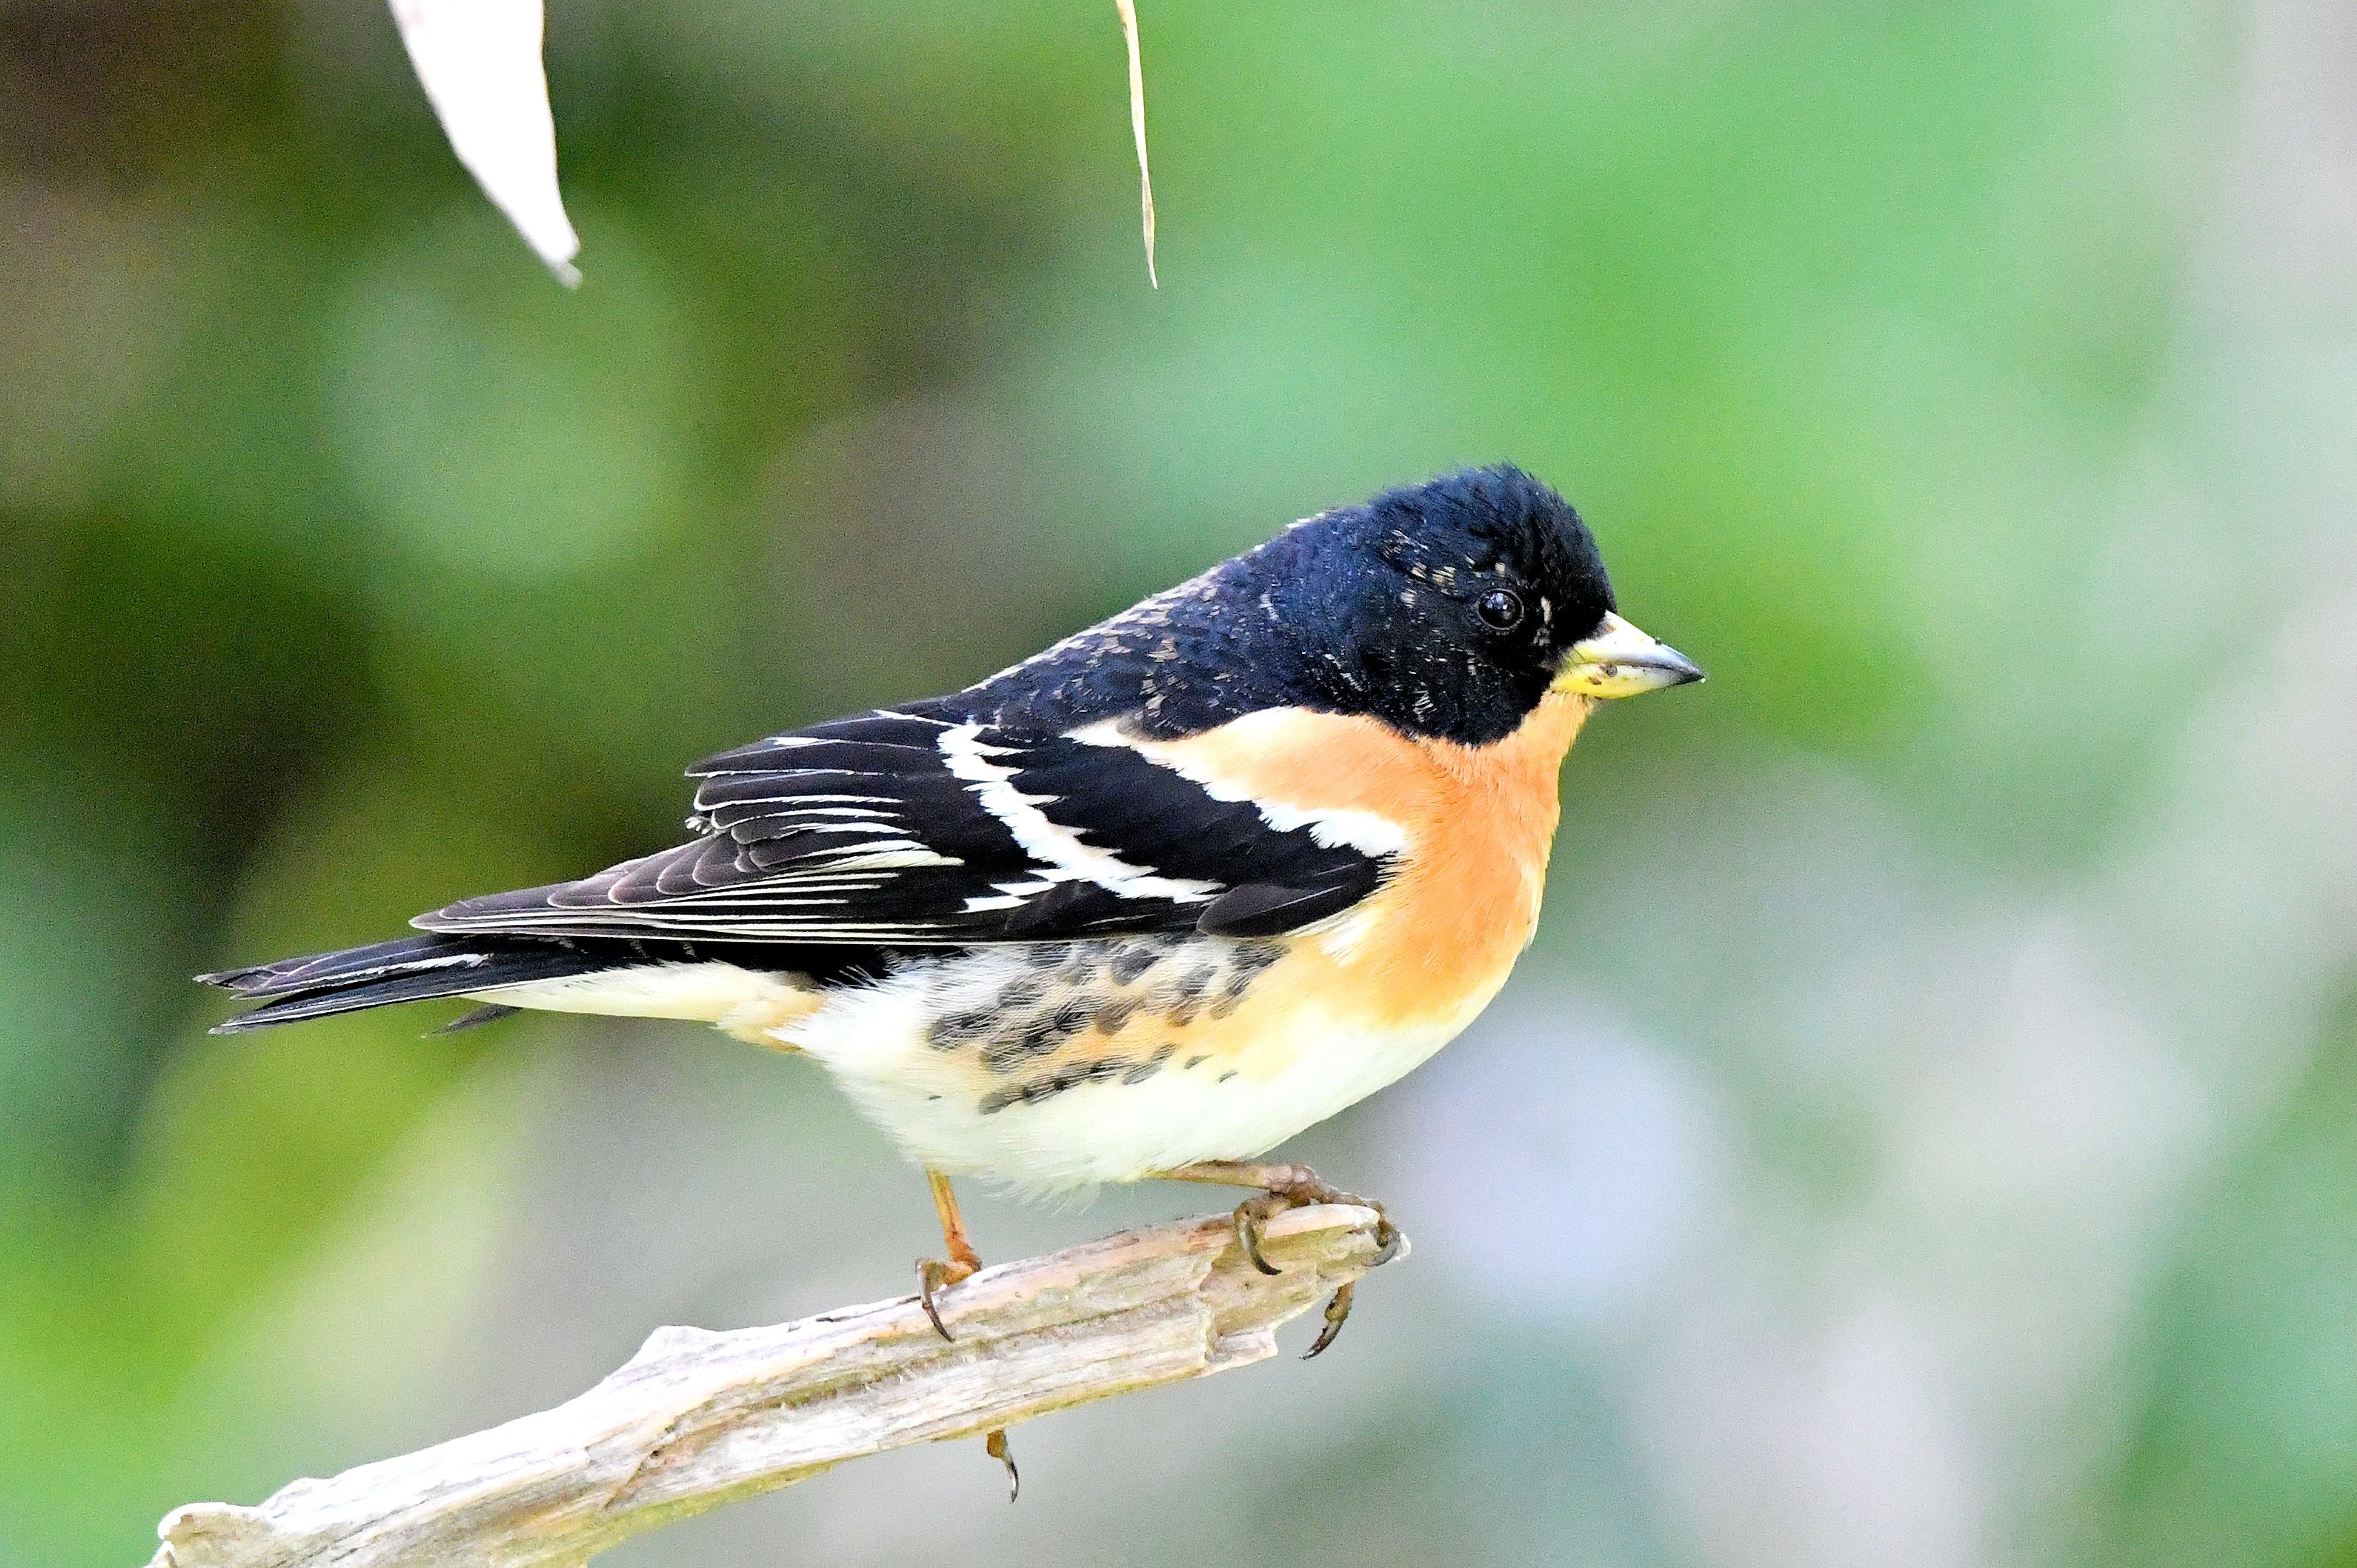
(1142, 906)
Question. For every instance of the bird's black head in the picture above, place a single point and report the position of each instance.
(1447, 609)
(1444, 609)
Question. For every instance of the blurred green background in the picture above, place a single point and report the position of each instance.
(1925, 1131)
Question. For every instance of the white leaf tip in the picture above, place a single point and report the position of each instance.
(480, 63)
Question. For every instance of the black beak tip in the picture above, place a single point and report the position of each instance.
(1678, 669)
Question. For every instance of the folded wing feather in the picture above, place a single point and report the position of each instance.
(922, 829)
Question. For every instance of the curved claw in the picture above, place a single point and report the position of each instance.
(1338, 1307)
(1388, 1242)
(932, 1276)
(1247, 1224)
(1336, 1310)
(996, 1446)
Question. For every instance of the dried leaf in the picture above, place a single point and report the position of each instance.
(1129, 9)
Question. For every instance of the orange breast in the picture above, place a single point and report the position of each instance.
(1475, 825)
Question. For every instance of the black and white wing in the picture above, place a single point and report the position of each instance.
(906, 829)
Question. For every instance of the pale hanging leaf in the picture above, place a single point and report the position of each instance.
(479, 61)
(1129, 9)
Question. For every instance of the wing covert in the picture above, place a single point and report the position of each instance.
(918, 829)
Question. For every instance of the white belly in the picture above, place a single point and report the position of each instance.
(1134, 1107)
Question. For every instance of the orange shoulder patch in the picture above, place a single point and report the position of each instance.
(1471, 829)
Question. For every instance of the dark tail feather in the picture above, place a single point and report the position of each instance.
(407, 968)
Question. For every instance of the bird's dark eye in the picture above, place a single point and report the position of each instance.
(1500, 610)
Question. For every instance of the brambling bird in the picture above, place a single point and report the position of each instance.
(1141, 907)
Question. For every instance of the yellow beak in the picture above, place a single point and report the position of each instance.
(1621, 661)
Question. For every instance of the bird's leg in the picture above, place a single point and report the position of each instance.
(933, 1274)
(1284, 1186)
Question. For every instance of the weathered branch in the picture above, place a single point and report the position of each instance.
(697, 1419)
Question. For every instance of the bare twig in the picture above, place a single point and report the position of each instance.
(1129, 9)
(698, 1419)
